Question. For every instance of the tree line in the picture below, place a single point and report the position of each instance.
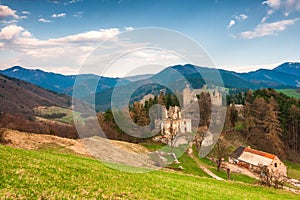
(270, 121)
(139, 114)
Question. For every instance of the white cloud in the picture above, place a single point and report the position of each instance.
(26, 34)
(5, 11)
(10, 32)
(274, 4)
(43, 20)
(266, 29)
(61, 54)
(8, 22)
(66, 54)
(285, 6)
(240, 17)
(231, 23)
(74, 1)
(88, 37)
(249, 68)
(25, 12)
(128, 28)
(54, 1)
(58, 15)
(78, 14)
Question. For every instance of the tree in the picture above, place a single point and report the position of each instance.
(161, 98)
(233, 113)
(204, 102)
(139, 114)
(294, 122)
(169, 100)
(220, 152)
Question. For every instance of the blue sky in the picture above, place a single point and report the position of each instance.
(239, 35)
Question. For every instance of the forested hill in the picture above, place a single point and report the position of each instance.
(270, 123)
(17, 109)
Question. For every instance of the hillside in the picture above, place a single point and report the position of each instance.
(268, 121)
(20, 97)
(17, 109)
(54, 175)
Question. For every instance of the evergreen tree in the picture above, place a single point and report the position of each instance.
(233, 115)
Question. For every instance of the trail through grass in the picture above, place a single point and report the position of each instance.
(47, 174)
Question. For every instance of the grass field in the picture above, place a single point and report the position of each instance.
(68, 118)
(46, 174)
(293, 170)
(233, 176)
(290, 92)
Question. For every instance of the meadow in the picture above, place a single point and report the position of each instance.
(290, 92)
(52, 174)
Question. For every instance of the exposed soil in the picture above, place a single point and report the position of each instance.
(238, 169)
(100, 148)
(32, 141)
(113, 151)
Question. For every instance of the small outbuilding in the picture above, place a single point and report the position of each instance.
(254, 159)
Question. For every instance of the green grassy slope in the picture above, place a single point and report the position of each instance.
(47, 174)
(50, 110)
(290, 92)
(293, 170)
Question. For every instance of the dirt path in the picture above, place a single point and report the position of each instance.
(207, 171)
(238, 169)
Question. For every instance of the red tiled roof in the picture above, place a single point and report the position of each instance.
(260, 153)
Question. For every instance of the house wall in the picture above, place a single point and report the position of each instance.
(244, 164)
(278, 167)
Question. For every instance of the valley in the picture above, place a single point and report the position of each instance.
(37, 123)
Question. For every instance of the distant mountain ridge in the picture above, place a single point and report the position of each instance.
(175, 77)
(287, 75)
(62, 83)
(289, 67)
(272, 78)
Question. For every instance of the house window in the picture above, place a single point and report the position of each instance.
(275, 164)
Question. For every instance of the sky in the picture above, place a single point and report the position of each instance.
(238, 35)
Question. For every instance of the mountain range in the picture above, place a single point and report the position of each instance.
(62, 83)
(286, 75)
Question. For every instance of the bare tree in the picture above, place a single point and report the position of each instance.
(233, 113)
(270, 178)
(220, 152)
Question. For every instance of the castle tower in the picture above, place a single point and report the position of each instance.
(187, 96)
